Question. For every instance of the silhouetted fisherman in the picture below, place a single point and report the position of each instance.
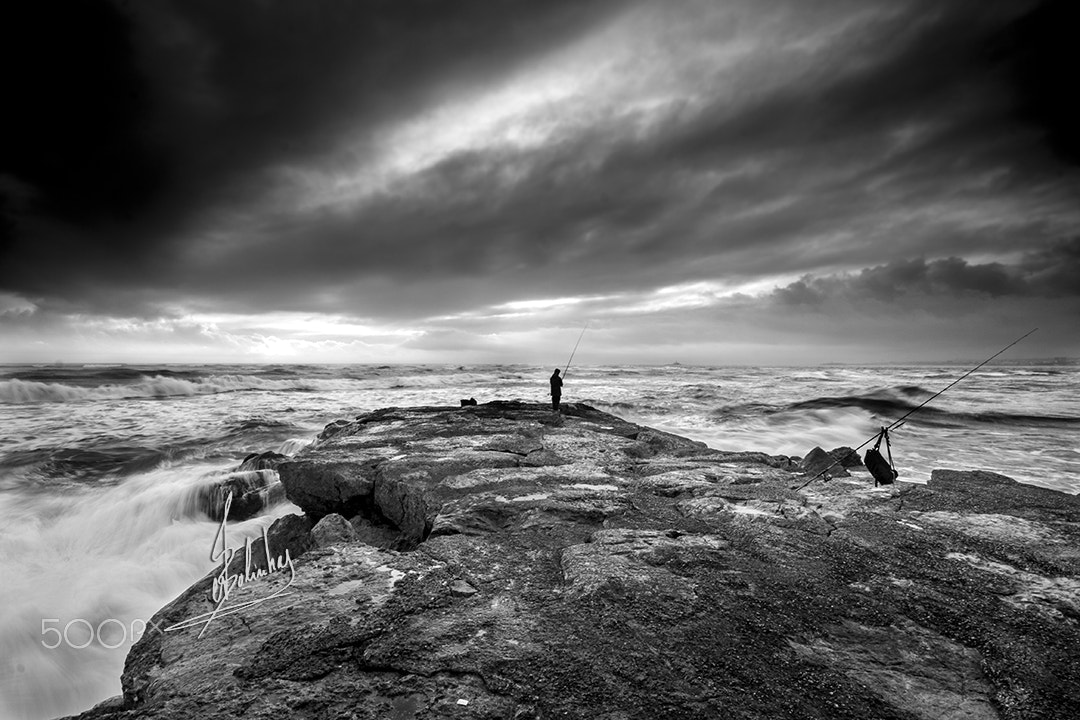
(556, 390)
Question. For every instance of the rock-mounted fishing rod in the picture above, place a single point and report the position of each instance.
(884, 466)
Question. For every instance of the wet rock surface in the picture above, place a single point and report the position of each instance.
(246, 492)
(503, 561)
(268, 460)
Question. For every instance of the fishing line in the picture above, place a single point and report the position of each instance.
(897, 423)
(900, 422)
(575, 348)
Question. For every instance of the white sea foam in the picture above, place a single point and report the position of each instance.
(294, 445)
(83, 574)
(155, 386)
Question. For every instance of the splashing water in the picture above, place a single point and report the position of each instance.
(83, 574)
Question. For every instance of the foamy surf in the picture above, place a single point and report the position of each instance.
(83, 574)
(156, 386)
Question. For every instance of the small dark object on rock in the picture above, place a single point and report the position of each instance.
(880, 468)
(460, 588)
(467, 403)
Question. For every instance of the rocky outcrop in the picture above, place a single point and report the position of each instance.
(252, 491)
(332, 529)
(834, 462)
(511, 562)
(846, 456)
(262, 461)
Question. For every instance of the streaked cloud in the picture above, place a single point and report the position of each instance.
(383, 182)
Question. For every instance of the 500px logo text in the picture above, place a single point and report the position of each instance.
(80, 633)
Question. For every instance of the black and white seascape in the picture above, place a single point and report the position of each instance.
(770, 226)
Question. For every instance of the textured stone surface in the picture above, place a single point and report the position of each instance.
(820, 461)
(331, 530)
(253, 491)
(328, 485)
(536, 565)
(262, 461)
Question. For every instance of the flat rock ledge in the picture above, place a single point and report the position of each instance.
(503, 561)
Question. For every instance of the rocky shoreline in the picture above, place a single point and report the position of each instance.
(504, 561)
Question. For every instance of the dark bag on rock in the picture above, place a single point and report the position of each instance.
(879, 467)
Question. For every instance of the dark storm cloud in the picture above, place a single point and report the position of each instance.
(606, 207)
(1048, 272)
(135, 119)
(75, 103)
(1044, 55)
(284, 81)
(898, 137)
(1053, 270)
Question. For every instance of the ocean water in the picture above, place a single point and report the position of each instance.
(100, 466)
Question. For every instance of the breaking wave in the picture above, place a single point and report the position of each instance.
(142, 386)
(887, 402)
(104, 558)
(893, 403)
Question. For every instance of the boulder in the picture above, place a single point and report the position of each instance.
(846, 456)
(332, 529)
(253, 491)
(262, 461)
(322, 487)
(332, 429)
(818, 460)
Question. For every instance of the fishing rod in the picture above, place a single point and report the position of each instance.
(897, 423)
(575, 348)
(901, 421)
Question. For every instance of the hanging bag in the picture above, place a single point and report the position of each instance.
(875, 462)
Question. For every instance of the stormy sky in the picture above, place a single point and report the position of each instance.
(702, 181)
